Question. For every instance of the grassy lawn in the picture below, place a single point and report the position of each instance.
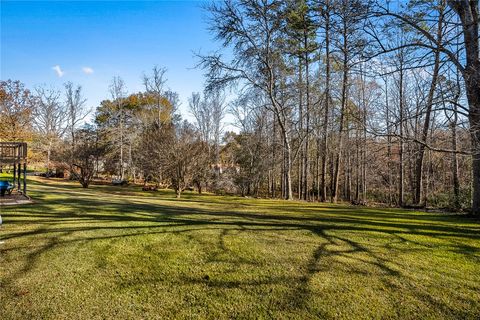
(119, 253)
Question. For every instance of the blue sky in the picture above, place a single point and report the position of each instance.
(92, 41)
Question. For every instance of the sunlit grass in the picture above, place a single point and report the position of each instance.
(120, 253)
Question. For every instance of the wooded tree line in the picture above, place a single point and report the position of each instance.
(354, 99)
(351, 100)
(137, 137)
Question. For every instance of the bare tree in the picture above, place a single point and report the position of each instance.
(154, 85)
(200, 110)
(50, 119)
(253, 29)
(429, 106)
(216, 100)
(181, 148)
(325, 12)
(85, 155)
(118, 93)
(209, 113)
(350, 43)
(75, 105)
(466, 13)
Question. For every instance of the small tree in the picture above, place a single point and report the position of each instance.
(182, 156)
(16, 107)
(50, 120)
(85, 155)
(75, 107)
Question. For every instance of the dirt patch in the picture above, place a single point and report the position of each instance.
(14, 199)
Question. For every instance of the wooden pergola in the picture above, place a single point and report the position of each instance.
(15, 153)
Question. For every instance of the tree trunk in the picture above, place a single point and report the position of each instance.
(468, 12)
(300, 120)
(428, 112)
(364, 148)
(338, 158)
(389, 145)
(287, 149)
(274, 187)
(357, 168)
(288, 170)
(349, 171)
(473, 95)
(456, 181)
(49, 152)
(323, 184)
(121, 150)
(400, 148)
(341, 121)
(307, 119)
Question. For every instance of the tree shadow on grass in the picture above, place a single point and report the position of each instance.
(390, 272)
(333, 218)
(84, 214)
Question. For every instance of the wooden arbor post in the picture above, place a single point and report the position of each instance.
(15, 153)
(24, 157)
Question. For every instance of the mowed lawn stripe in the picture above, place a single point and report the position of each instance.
(120, 253)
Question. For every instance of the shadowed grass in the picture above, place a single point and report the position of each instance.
(120, 253)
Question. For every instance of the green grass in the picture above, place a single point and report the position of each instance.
(119, 253)
(6, 176)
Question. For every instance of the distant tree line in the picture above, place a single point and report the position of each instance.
(351, 100)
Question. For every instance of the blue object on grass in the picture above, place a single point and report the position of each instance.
(5, 187)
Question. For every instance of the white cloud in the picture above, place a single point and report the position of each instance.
(87, 70)
(58, 71)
